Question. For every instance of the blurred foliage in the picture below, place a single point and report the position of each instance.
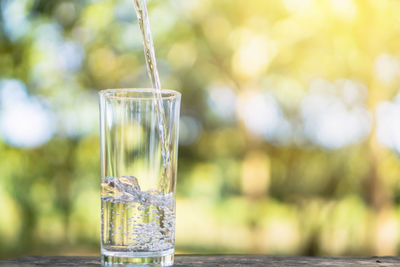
(290, 128)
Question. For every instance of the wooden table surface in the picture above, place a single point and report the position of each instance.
(214, 260)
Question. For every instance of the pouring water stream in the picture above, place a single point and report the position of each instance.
(152, 71)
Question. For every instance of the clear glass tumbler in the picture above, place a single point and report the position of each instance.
(137, 182)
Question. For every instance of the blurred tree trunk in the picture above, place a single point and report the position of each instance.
(377, 194)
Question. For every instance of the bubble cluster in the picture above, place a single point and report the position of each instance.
(135, 220)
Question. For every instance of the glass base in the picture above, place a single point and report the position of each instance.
(135, 259)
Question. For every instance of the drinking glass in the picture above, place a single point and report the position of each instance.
(138, 176)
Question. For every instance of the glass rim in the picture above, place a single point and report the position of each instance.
(135, 93)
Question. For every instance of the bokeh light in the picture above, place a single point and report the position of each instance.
(289, 130)
(335, 115)
(24, 121)
(388, 127)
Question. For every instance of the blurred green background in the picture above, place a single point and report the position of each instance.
(290, 122)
